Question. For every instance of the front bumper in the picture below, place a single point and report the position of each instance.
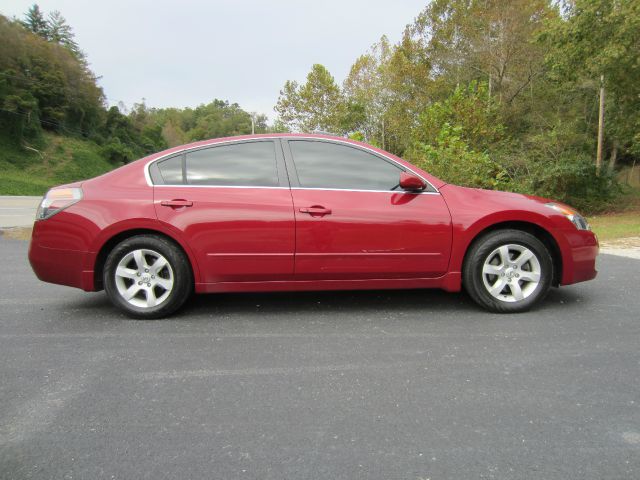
(579, 257)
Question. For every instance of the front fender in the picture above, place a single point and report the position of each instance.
(475, 211)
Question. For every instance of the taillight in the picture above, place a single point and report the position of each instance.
(56, 200)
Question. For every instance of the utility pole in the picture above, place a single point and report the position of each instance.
(253, 124)
(600, 126)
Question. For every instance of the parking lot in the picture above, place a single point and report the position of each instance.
(370, 385)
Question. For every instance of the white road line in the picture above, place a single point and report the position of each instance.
(182, 374)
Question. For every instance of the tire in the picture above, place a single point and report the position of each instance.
(509, 286)
(147, 277)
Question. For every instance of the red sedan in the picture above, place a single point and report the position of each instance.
(300, 212)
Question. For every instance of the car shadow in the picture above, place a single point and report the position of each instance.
(352, 302)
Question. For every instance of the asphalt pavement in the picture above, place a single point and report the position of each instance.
(350, 385)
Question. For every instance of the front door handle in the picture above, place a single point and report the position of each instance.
(176, 203)
(316, 210)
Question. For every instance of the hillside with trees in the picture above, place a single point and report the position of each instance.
(55, 125)
(495, 94)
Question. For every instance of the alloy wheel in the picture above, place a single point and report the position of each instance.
(144, 278)
(511, 273)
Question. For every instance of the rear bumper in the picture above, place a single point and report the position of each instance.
(59, 265)
(579, 257)
(64, 267)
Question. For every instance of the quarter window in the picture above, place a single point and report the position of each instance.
(171, 170)
(240, 164)
(329, 165)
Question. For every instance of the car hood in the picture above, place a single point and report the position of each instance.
(507, 199)
(475, 203)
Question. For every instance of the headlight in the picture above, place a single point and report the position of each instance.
(56, 200)
(578, 220)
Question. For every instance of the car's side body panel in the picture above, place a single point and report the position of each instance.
(237, 234)
(371, 235)
(365, 233)
(119, 201)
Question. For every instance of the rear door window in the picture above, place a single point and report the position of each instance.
(239, 164)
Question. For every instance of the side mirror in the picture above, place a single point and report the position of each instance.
(411, 182)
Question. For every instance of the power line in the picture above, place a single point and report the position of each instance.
(48, 122)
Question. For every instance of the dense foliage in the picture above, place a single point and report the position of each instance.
(494, 94)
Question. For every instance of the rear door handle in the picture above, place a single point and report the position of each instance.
(316, 210)
(176, 203)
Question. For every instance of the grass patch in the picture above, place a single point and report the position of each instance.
(60, 160)
(616, 225)
(622, 223)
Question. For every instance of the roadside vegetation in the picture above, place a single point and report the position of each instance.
(495, 94)
(60, 159)
(622, 222)
(617, 225)
(55, 125)
(501, 94)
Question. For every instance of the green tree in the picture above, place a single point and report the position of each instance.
(35, 22)
(392, 84)
(123, 141)
(454, 140)
(367, 86)
(488, 40)
(466, 108)
(600, 39)
(60, 32)
(450, 158)
(315, 105)
(43, 82)
(173, 126)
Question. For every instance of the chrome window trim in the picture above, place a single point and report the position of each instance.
(370, 191)
(299, 188)
(220, 186)
(147, 175)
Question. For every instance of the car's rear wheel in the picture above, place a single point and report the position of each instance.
(508, 271)
(147, 276)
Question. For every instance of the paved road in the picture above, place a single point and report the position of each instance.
(356, 385)
(18, 211)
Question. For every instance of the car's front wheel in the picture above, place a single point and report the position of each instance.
(508, 271)
(147, 276)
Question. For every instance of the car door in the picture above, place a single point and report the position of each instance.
(232, 203)
(352, 222)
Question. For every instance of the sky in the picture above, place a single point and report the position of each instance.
(179, 54)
